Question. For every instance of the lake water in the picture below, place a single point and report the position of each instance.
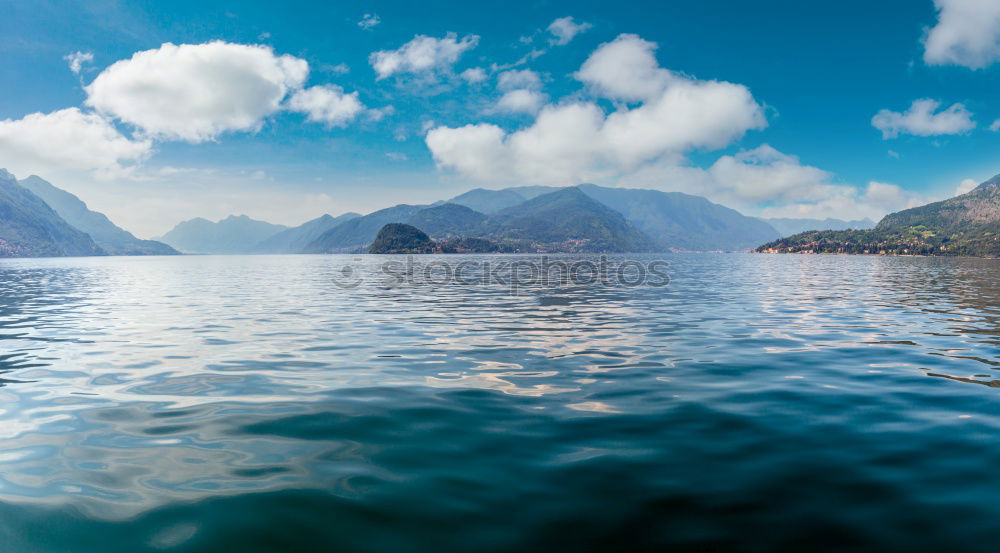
(756, 403)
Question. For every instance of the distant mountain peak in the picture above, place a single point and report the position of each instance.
(235, 234)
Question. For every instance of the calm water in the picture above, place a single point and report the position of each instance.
(757, 403)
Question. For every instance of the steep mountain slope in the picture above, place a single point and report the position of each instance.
(360, 232)
(788, 226)
(232, 235)
(111, 238)
(295, 239)
(964, 225)
(448, 220)
(568, 220)
(30, 228)
(676, 221)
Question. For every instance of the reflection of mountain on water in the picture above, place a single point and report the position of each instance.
(990, 383)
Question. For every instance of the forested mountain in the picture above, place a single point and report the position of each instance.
(968, 224)
(568, 220)
(677, 221)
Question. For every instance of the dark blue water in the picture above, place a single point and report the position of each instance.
(757, 403)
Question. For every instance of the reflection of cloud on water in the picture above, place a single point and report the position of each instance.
(593, 407)
(501, 382)
(117, 462)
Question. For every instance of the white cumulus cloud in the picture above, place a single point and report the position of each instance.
(474, 75)
(765, 174)
(68, 141)
(923, 119)
(967, 33)
(576, 141)
(874, 201)
(522, 78)
(995, 126)
(767, 182)
(625, 69)
(521, 101)
(77, 59)
(195, 92)
(565, 29)
(423, 53)
(327, 104)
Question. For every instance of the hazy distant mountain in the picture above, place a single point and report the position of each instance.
(788, 227)
(111, 238)
(448, 220)
(360, 232)
(967, 225)
(30, 228)
(232, 235)
(676, 221)
(568, 220)
(295, 239)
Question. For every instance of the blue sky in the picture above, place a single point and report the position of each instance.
(769, 107)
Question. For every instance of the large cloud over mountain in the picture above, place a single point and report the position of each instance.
(578, 140)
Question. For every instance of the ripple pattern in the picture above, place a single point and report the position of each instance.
(757, 403)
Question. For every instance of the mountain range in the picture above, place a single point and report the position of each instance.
(31, 228)
(296, 239)
(558, 219)
(967, 225)
(567, 220)
(111, 238)
(677, 221)
(584, 218)
(235, 234)
(359, 232)
(617, 220)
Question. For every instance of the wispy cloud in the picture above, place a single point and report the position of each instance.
(369, 21)
(77, 59)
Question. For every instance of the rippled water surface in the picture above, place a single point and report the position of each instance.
(757, 403)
